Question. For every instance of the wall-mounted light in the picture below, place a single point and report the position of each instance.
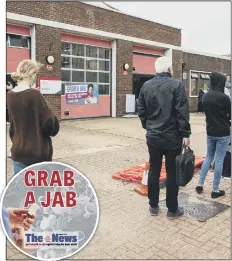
(50, 59)
(126, 66)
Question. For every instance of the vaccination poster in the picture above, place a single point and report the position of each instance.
(83, 94)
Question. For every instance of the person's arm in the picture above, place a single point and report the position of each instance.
(182, 111)
(228, 107)
(142, 108)
(48, 121)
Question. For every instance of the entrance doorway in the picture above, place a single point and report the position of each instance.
(138, 81)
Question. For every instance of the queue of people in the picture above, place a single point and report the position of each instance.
(163, 109)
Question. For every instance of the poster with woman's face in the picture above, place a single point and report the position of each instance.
(92, 97)
(82, 94)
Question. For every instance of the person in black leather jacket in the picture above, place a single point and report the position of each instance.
(164, 112)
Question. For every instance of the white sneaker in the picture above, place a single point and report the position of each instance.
(227, 178)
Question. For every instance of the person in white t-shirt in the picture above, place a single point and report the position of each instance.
(90, 99)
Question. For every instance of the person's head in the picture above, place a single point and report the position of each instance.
(163, 64)
(217, 81)
(27, 72)
(90, 90)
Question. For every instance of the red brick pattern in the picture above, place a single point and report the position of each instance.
(48, 43)
(124, 82)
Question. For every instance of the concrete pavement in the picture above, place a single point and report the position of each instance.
(99, 148)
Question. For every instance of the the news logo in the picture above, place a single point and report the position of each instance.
(51, 239)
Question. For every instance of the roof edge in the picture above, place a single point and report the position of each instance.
(135, 16)
(206, 54)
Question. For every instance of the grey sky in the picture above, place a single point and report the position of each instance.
(206, 26)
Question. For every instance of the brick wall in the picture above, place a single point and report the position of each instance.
(124, 82)
(202, 63)
(177, 60)
(81, 14)
(48, 43)
(77, 13)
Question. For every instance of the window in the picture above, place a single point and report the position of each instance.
(194, 75)
(91, 77)
(18, 41)
(104, 89)
(65, 62)
(104, 53)
(91, 65)
(78, 63)
(65, 48)
(65, 76)
(104, 65)
(78, 76)
(91, 51)
(86, 64)
(104, 77)
(204, 76)
(194, 90)
(78, 50)
(199, 80)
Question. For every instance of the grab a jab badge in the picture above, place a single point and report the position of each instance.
(49, 211)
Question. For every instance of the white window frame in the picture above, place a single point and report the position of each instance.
(190, 83)
(90, 58)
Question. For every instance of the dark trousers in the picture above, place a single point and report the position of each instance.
(156, 156)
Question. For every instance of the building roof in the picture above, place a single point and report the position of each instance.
(104, 5)
(224, 57)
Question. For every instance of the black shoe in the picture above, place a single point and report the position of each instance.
(199, 189)
(177, 214)
(154, 211)
(221, 193)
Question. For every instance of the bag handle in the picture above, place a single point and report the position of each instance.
(184, 148)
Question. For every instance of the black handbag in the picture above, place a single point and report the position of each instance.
(185, 166)
(226, 173)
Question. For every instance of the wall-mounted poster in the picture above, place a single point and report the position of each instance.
(86, 93)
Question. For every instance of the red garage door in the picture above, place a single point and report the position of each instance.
(84, 61)
(144, 59)
(18, 46)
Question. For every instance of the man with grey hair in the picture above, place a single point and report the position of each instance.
(164, 112)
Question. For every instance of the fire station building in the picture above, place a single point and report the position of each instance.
(79, 43)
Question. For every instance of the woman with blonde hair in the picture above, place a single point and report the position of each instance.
(32, 123)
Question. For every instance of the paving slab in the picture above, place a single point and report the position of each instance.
(99, 148)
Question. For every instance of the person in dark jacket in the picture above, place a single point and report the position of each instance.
(200, 107)
(217, 107)
(164, 112)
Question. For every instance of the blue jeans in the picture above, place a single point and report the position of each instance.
(18, 166)
(216, 147)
